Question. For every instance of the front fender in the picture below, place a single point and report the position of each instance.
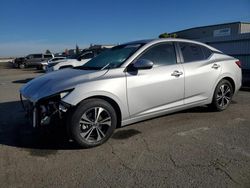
(114, 89)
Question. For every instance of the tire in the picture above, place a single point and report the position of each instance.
(21, 66)
(38, 67)
(87, 130)
(222, 95)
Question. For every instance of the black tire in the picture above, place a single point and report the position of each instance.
(222, 100)
(21, 66)
(89, 134)
(38, 67)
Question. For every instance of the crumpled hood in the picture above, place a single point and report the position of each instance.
(58, 81)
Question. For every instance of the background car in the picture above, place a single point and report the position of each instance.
(130, 83)
(44, 64)
(32, 60)
(19, 62)
(73, 61)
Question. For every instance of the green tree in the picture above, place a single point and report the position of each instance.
(47, 52)
(174, 35)
(164, 35)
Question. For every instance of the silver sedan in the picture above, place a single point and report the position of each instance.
(130, 83)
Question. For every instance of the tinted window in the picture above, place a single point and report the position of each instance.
(37, 56)
(161, 54)
(88, 56)
(191, 52)
(48, 56)
(207, 52)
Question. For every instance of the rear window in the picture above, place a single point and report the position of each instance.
(207, 52)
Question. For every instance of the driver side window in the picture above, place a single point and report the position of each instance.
(161, 54)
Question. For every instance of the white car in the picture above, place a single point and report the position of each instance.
(71, 62)
(129, 83)
(44, 64)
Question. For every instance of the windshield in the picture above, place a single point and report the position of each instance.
(72, 56)
(112, 58)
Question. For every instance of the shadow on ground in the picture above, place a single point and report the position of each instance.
(23, 81)
(16, 131)
(8, 65)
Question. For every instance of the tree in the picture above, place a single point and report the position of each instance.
(174, 35)
(77, 50)
(164, 35)
(47, 52)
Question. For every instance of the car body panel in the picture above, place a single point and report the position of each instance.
(154, 89)
(112, 85)
(52, 83)
(200, 79)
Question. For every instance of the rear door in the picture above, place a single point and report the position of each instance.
(201, 72)
(158, 88)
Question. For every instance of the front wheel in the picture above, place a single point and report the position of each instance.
(21, 66)
(222, 95)
(92, 122)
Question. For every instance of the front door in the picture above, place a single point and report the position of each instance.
(159, 88)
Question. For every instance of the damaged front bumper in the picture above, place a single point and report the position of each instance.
(45, 111)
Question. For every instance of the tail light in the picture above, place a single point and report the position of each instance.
(238, 63)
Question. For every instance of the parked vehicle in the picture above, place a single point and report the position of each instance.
(130, 83)
(18, 62)
(44, 64)
(73, 61)
(34, 60)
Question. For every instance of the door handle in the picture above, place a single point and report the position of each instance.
(215, 66)
(176, 73)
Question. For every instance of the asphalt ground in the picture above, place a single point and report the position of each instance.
(192, 148)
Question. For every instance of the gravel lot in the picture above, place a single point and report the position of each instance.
(193, 148)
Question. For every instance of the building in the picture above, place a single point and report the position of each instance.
(231, 38)
(100, 46)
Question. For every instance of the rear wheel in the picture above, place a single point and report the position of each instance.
(222, 95)
(92, 122)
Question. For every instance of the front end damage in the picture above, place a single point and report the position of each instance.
(45, 112)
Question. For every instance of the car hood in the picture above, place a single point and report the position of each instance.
(58, 81)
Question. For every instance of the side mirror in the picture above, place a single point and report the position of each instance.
(143, 64)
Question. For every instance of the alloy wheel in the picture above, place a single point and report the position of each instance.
(224, 95)
(94, 124)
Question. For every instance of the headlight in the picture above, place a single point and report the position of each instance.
(65, 93)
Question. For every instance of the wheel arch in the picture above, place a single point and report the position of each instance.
(112, 102)
(231, 82)
(228, 77)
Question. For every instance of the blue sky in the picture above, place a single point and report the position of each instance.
(32, 26)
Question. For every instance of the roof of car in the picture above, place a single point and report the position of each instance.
(168, 39)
